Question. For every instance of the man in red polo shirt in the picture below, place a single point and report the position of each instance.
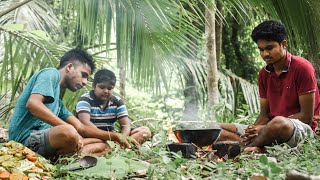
(289, 96)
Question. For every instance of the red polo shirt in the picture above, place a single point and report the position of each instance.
(283, 91)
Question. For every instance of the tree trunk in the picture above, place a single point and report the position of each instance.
(234, 39)
(212, 77)
(122, 79)
(122, 56)
(218, 29)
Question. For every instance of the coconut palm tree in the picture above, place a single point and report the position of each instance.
(147, 33)
(152, 37)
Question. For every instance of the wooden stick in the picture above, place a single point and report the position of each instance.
(14, 7)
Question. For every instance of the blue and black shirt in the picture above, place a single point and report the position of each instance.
(103, 118)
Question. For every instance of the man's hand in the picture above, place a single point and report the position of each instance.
(79, 145)
(251, 132)
(127, 141)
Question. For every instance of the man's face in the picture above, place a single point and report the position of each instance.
(103, 90)
(77, 76)
(271, 51)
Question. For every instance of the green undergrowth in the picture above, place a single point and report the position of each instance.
(154, 161)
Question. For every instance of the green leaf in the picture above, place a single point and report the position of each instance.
(111, 144)
(14, 27)
(166, 159)
(265, 172)
(274, 168)
(41, 34)
(263, 159)
(115, 167)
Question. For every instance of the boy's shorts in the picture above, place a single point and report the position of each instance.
(38, 142)
(301, 131)
(106, 128)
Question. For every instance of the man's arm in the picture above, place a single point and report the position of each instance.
(88, 131)
(35, 105)
(306, 102)
(125, 125)
(263, 117)
(38, 109)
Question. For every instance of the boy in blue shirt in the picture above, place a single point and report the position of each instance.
(100, 108)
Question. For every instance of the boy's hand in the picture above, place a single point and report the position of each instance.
(133, 142)
(127, 141)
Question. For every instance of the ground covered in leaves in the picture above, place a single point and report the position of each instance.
(156, 162)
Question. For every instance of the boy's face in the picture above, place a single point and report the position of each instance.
(103, 90)
(271, 51)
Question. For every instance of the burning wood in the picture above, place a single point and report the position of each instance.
(220, 160)
(209, 148)
(172, 137)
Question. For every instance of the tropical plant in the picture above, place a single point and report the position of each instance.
(153, 37)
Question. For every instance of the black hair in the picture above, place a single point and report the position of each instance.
(269, 30)
(104, 75)
(78, 55)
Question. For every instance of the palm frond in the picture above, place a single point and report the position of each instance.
(149, 33)
(35, 15)
(23, 54)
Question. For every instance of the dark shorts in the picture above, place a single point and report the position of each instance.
(38, 142)
(106, 128)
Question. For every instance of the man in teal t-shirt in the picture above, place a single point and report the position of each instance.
(41, 121)
(23, 123)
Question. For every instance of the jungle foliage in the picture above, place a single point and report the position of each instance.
(158, 50)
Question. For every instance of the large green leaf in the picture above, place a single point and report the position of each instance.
(114, 167)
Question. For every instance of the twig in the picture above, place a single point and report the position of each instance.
(14, 7)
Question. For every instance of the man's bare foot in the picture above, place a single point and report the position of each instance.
(254, 149)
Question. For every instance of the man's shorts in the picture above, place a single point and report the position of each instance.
(301, 131)
(38, 142)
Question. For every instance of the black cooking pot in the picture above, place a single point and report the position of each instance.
(199, 137)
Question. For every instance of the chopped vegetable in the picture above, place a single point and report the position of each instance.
(31, 158)
(4, 175)
(18, 176)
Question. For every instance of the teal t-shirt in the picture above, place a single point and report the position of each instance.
(47, 83)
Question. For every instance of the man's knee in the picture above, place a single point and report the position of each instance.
(65, 135)
(281, 125)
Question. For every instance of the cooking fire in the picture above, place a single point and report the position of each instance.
(199, 144)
